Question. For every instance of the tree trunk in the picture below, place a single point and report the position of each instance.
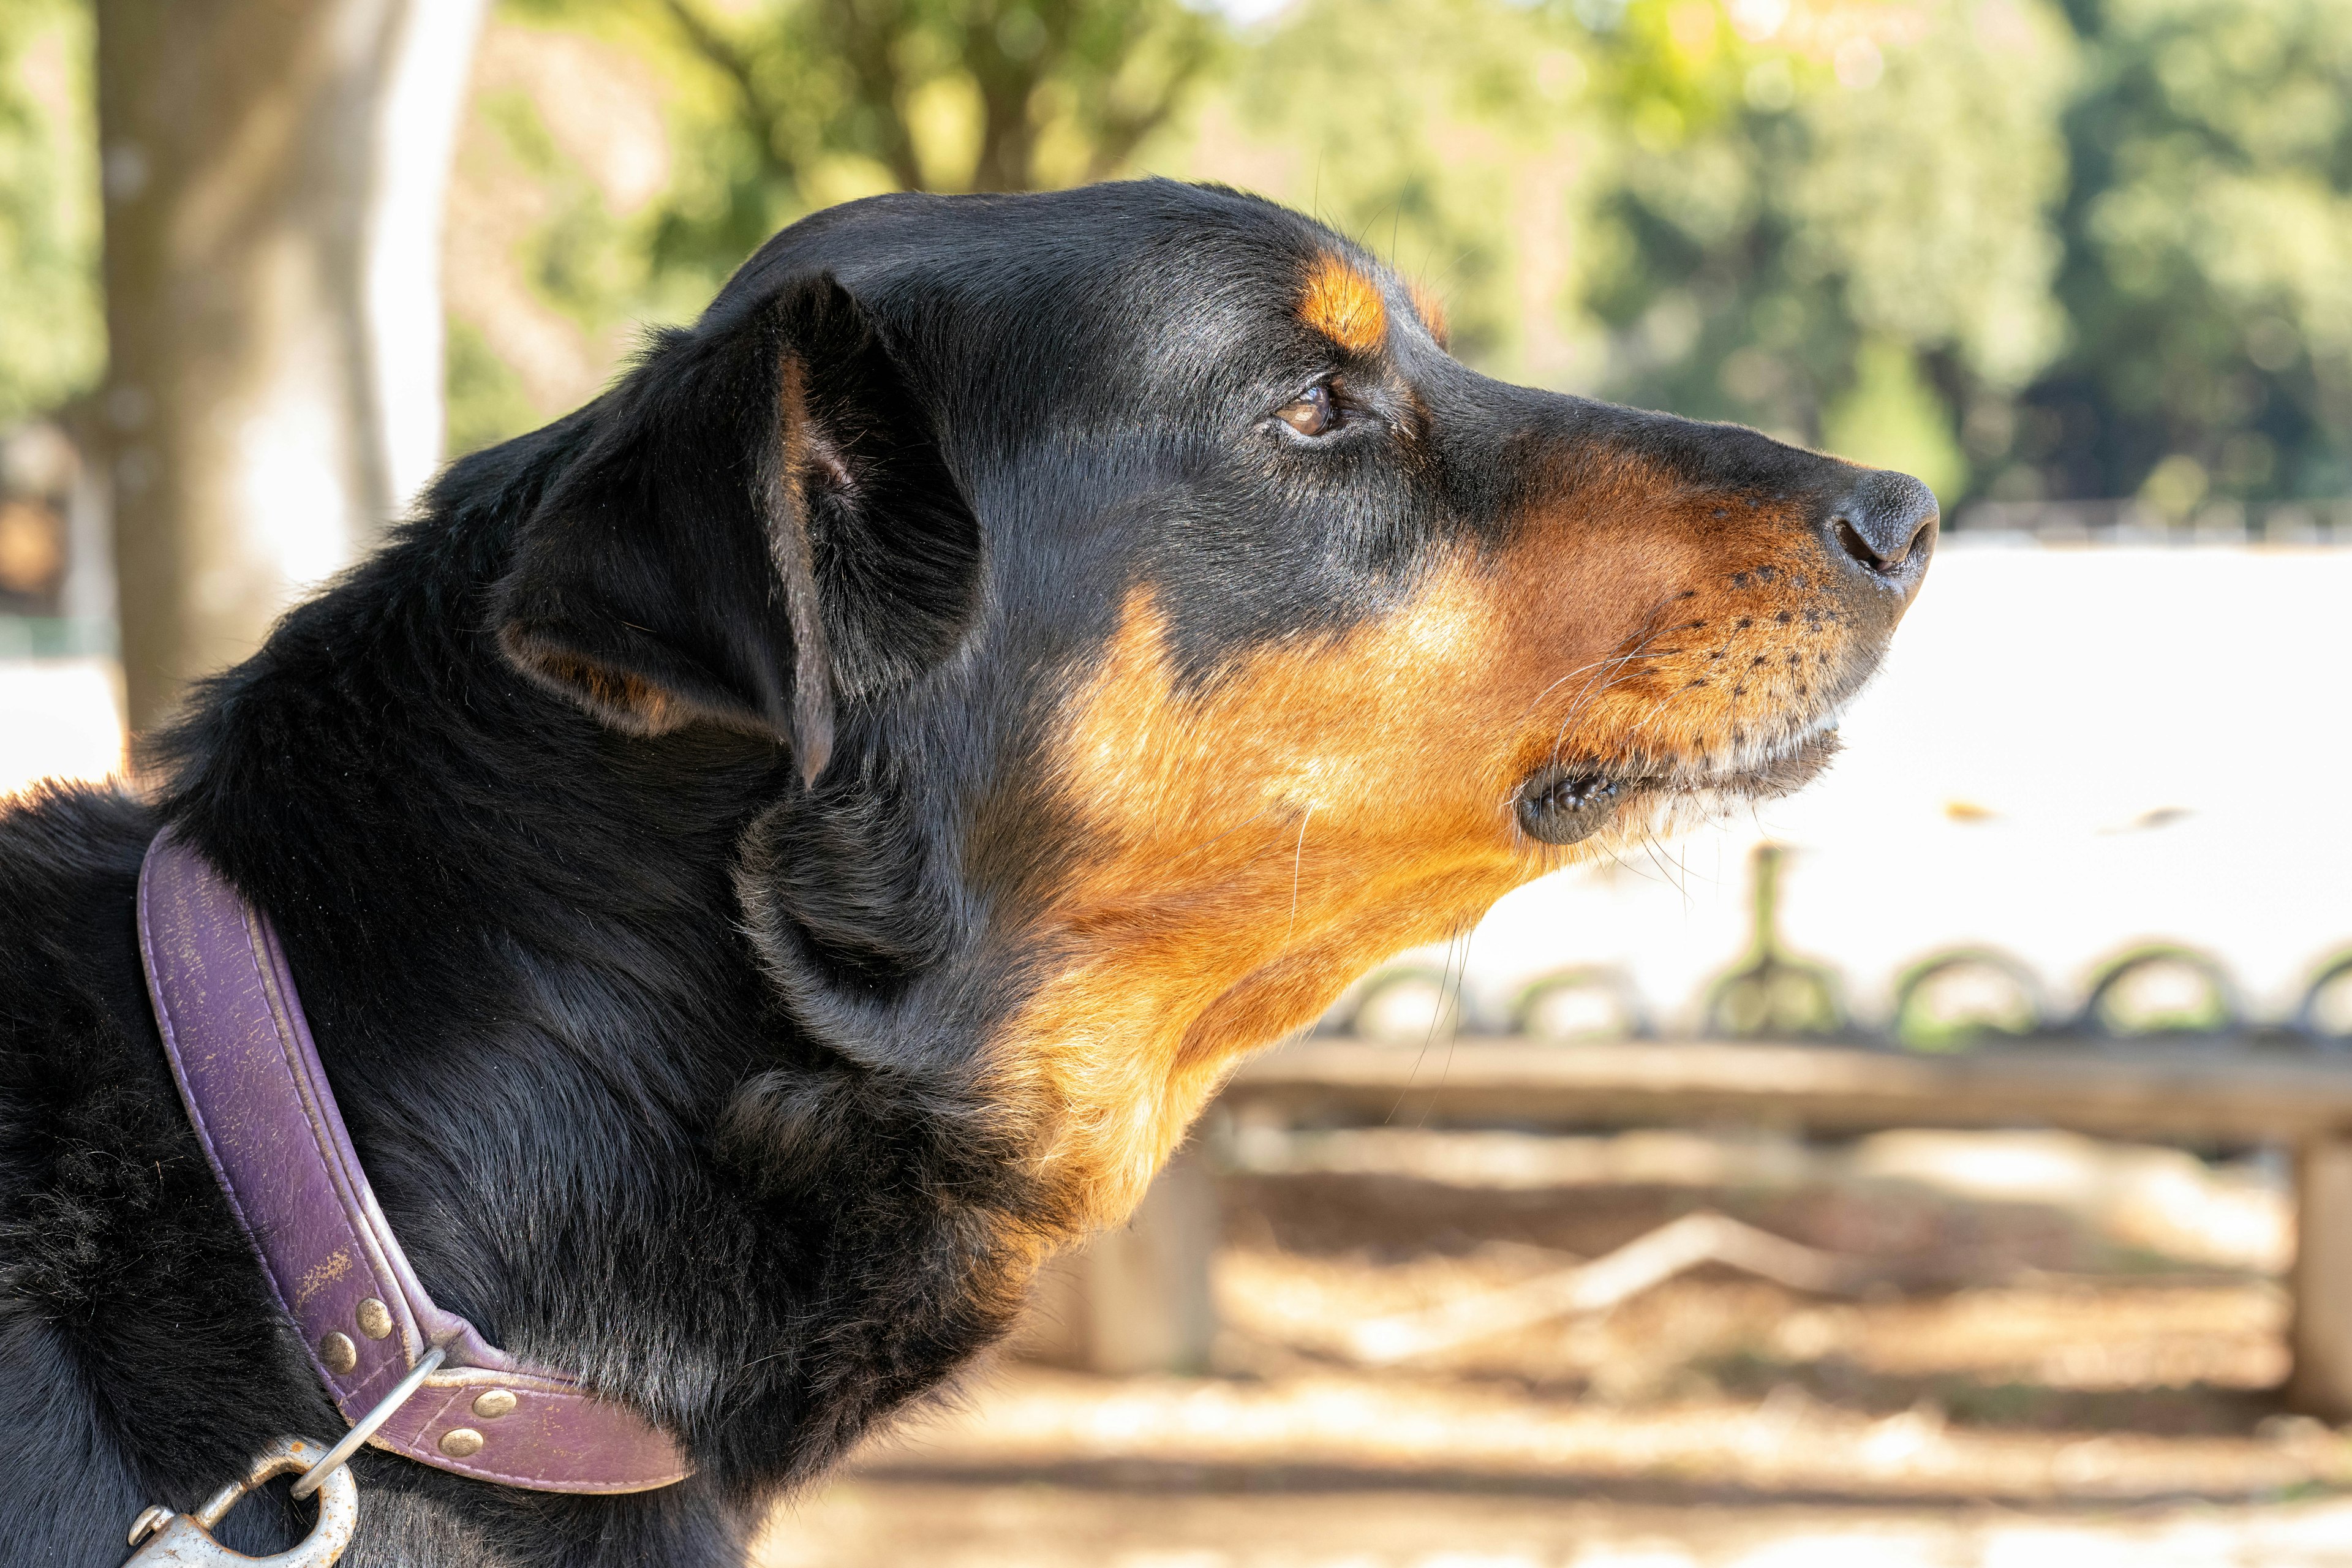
(274, 172)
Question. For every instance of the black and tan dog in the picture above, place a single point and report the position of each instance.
(771, 855)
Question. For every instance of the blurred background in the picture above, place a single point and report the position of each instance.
(1937, 1168)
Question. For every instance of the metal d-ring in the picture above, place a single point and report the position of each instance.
(364, 1427)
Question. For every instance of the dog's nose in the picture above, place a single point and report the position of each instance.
(1885, 525)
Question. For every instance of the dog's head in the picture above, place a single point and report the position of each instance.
(1164, 627)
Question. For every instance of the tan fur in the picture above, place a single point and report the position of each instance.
(1345, 305)
(1260, 840)
(1430, 309)
(628, 702)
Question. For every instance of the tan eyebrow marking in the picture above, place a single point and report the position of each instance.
(1431, 309)
(1344, 305)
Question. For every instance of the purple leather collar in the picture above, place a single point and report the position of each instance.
(234, 1030)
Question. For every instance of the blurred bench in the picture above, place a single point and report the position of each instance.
(2206, 1093)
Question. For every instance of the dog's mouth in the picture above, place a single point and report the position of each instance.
(1567, 802)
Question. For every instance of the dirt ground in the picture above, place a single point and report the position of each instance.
(1046, 1526)
(2064, 1353)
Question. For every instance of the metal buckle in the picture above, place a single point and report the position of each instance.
(184, 1539)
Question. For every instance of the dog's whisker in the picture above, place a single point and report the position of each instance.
(1615, 659)
(1298, 858)
(1585, 704)
(1452, 976)
(1605, 676)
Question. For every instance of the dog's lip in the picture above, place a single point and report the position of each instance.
(1759, 774)
(1775, 771)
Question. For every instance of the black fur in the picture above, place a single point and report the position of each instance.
(644, 823)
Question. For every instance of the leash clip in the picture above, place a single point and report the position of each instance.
(180, 1539)
(184, 1539)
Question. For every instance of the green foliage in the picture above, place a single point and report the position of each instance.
(52, 324)
(1838, 235)
(2207, 236)
(777, 108)
(2018, 247)
(820, 101)
(2110, 241)
(1890, 418)
(581, 258)
(1422, 127)
(1636, 199)
(484, 400)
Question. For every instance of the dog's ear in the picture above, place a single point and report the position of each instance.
(761, 525)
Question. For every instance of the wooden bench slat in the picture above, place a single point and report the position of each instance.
(2212, 1090)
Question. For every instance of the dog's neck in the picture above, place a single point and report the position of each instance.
(587, 1120)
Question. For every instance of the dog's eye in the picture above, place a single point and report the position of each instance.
(1311, 415)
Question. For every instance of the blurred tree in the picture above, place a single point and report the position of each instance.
(52, 343)
(273, 175)
(2018, 247)
(568, 155)
(1449, 135)
(1833, 223)
(987, 94)
(2022, 250)
(2207, 234)
(779, 107)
